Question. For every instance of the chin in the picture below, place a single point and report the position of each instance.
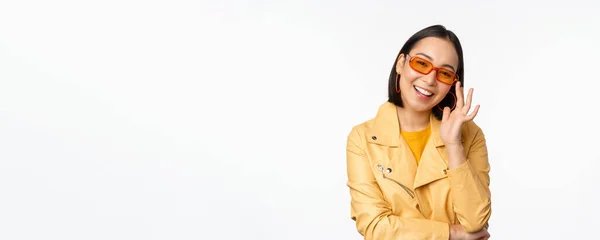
(421, 107)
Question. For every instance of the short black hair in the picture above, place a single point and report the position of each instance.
(432, 31)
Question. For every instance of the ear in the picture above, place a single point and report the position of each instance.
(400, 63)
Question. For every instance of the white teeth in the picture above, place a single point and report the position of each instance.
(423, 91)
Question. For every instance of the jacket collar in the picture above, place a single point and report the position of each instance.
(386, 128)
(386, 131)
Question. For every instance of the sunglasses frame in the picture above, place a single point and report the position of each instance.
(433, 68)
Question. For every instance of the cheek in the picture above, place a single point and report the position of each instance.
(410, 76)
(443, 90)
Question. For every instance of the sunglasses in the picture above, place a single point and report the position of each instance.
(424, 66)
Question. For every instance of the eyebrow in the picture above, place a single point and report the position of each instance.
(431, 59)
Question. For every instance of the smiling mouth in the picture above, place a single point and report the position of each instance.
(423, 91)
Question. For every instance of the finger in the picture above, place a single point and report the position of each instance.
(473, 114)
(473, 236)
(445, 114)
(478, 235)
(459, 96)
(467, 106)
(484, 234)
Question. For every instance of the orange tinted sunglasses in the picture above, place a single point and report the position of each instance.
(424, 66)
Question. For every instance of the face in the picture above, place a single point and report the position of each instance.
(422, 92)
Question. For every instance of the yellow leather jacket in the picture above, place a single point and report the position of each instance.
(393, 198)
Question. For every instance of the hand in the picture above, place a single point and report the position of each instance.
(458, 233)
(450, 128)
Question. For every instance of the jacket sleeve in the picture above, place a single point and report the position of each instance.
(370, 211)
(469, 184)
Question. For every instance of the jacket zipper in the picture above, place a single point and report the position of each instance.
(410, 192)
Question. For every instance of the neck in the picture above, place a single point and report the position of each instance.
(411, 120)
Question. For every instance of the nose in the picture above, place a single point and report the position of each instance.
(430, 78)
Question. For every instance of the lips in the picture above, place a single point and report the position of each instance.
(423, 91)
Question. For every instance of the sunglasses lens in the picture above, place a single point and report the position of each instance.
(446, 76)
(421, 65)
(424, 67)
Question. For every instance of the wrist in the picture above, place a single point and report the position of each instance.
(454, 148)
(453, 232)
(456, 156)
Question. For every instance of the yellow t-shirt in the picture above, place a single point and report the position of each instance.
(417, 141)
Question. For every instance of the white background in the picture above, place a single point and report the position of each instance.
(228, 120)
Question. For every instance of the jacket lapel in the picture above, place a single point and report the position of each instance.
(385, 136)
(434, 160)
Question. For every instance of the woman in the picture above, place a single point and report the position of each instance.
(419, 169)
